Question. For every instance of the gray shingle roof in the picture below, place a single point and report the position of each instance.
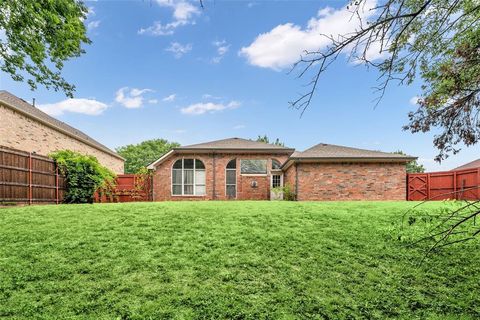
(471, 165)
(330, 151)
(235, 144)
(20, 105)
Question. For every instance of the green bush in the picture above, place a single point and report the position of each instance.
(287, 191)
(83, 175)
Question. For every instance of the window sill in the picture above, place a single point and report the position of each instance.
(254, 174)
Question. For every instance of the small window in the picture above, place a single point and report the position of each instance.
(275, 164)
(231, 179)
(253, 166)
(232, 164)
(276, 181)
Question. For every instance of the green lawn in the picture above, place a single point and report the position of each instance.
(242, 260)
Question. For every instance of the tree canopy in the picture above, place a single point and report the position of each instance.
(142, 154)
(412, 166)
(265, 139)
(37, 37)
(434, 41)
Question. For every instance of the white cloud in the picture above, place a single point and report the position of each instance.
(93, 24)
(170, 98)
(90, 12)
(183, 14)
(209, 107)
(85, 106)
(153, 101)
(131, 98)
(222, 49)
(179, 49)
(414, 100)
(239, 126)
(282, 46)
(209, 96)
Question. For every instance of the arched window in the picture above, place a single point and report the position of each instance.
(276, 164)
(231, 179)
(188, 178)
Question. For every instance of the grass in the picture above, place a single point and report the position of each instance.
(241, 260)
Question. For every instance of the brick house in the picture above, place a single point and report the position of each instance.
(247, 170)
(24, 127)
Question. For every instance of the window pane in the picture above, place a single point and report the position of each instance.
(188, 190)
(253, 166)
(177, 190)
(200, 190)
(231, 191)
(275, 164)
(177, 176)
(199, 164)
(232, 164)
(188, 163)
(188, 176)
(178, 164)
(275, 181)
(200, 177)
(231, 176)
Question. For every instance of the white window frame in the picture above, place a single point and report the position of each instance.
(254, 174)
(280, 176)
(194, 179)
(236, 182)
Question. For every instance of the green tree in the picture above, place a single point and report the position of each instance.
(142, 154)
(265, 139)
(39, 36)
(412, 166)
(433, 41)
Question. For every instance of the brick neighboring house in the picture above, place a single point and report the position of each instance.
(247, 170)
(24, 127)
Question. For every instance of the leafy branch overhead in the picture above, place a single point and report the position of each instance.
(437, 41)
(38, 37)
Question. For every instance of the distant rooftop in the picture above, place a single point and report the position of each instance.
(235, 144)
(28, 110)
(471, 165)
(330, 151)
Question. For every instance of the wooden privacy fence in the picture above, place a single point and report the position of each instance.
(128, 188)
(29, 178)
(460, 185)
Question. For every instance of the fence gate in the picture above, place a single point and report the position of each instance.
(460, 184)
(417, 187)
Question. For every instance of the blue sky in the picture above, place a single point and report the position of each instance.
(163, 69)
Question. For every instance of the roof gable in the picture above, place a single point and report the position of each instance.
(19, 105)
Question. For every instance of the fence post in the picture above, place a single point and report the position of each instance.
(30, 194)
(455, 184)
(428, 187)
(56, 182)
(478, 182)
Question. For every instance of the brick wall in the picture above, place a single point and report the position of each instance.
(215, 170)
(20, 132)
(350, 181)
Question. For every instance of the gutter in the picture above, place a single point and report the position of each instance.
(292, 160)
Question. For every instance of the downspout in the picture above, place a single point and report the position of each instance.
(213, 173)
(296, 181)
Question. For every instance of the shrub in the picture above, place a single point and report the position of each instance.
(287, 191)
(83, 175)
